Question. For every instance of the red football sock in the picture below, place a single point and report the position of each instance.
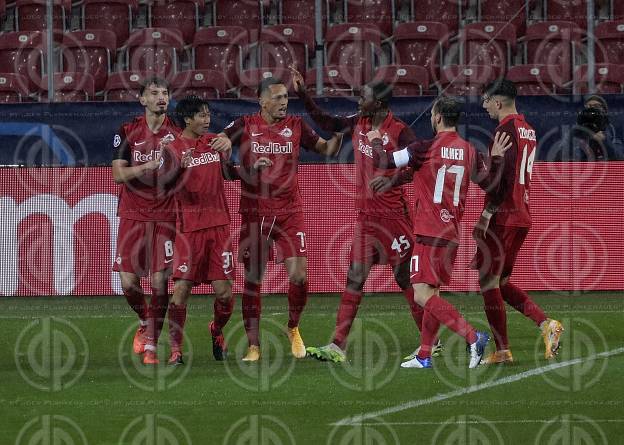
(521, 302)
(251, 312)
(136, 300)
(428, 334)
(446, 314)
(497, 317)
(177, 318)
(417, 311)
(157, 312)
(349, 304)
(297, 299)
(222, 313)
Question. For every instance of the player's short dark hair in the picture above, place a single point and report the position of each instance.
(449, 108)
(188, 107)
(381, 91)
(266, 83)
(153, 80)
(599, 99)
(501, 87)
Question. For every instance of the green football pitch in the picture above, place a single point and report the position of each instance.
(68, 377)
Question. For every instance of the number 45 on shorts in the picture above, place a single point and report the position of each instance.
(401, 245)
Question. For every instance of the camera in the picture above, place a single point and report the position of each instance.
(593, 119)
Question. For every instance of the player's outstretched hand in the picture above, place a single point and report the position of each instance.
(380, 184)
(222, 144)
(502, 143)
(297, 78)
(262, 163)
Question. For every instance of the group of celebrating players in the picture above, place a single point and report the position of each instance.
(175, 222)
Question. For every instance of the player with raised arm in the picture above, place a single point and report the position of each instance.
(383, 230)
(504, 225)
(146, 210)
(271, 206)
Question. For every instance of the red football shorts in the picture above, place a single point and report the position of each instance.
(496, 255)
(259, 233)
(381, 241)
(144, 246)
(432, 264)
(204, 256)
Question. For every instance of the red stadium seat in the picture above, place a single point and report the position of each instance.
(420, 43)
(375, 12)
(337, 80)
(447, 12)
(352, 45)
(124, 86)
(89, 52)
(282, 45)
(534, 80)
(113, 15)
(154, 50)
(552, 43)
(208, 84)
(610, 42)
(23, 53)
(31, 14)
(406, 80)
(245, 13)
(609, 79)
(302, 12)
(513, 11)
(250, 79)
(465, 80)
(222, 49)
(567, 11)
(13, 88)
(69, 87)
(489, 43)
(179, 14)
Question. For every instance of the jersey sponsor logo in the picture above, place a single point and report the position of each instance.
(204, 158)
(365, 149)
(116, 141)
(271, 148)
(446, 216)
(454, 154)
(139, 143)
(286, 132)
(145, 157)
(526, 133)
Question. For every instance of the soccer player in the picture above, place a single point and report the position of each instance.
(504, 225)
(271, 206)
(383, 230)
(146, 209)
(444, 168)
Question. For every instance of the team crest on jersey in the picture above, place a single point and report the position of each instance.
(183, 268)
(286, 132)
(116, 141)
(446, 216)
(385, 139)
(167, 138)
(118, 260)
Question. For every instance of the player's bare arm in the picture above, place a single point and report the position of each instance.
(222, 144)
(123, 172)
(329, 147)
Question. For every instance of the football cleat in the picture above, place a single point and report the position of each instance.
(417, 362)
(296, 342)
(150, 358)
(138, 344)
(253, 354)
(219, 347)
(328, 353)
(551, 333)
(477, 349)
(437, 350)
(498, 357)
(175, 358)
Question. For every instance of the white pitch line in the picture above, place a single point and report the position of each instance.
(477, 422)
(356, 420)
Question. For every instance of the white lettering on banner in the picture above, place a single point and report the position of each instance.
(455, 154)
(367, 150)
(525, 133)
(144, 157)
(63, 218)
(271, 148)
(204, 158)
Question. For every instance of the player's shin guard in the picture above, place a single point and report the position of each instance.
(497, 317)
(521, 302)
(446, 314)
(297, 299)
(222, 312)
(177, 318)
(136, 300)
(417, 311)
(349, 304)
(428, 334)
(251, 312)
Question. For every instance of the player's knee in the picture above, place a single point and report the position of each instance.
(298, 278)
(130, 286)
(355, 277)
(489, 282)
(422, 293)
(504, 281)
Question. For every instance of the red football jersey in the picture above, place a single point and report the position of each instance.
(392, 202)
(274, 190)
(145, 198)
(516, 180)
(441, 185)
(199, 192)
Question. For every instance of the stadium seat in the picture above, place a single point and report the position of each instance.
(250, 79)
(552, 43)
(302, 12)
(447, 12)
(513, 11)
(23, 53)
(420, 43)
(179, 14)
(567, 11)
(609, 79)
(69, 87)
(113, 15)
(337, 80)
(30, 15)
(610, 42)
(154, 50)
(375, 12)
(13, 88)
(89, 52)
(489, 43)
(534, 80)
(352, 45)
(465, 80)
(208, 84)
(281, 45)
(123, 86)
(245, 13)
(221, 48)
(406, 80)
